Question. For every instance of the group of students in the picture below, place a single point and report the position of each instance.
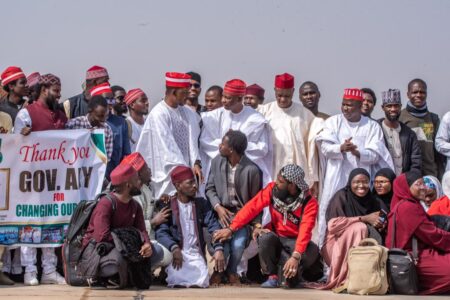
(238, 178)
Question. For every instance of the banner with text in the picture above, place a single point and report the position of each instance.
(43, 176)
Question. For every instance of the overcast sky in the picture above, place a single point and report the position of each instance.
(337, 44)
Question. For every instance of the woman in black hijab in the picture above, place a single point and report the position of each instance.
(383, 188)
(355, 199)
(352, 215)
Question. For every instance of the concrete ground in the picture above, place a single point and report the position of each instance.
(50, 292)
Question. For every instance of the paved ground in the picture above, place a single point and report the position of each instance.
(50, 292)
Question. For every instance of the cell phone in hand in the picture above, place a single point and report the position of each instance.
(383, 216)
(159, 205)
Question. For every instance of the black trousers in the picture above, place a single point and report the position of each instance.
(274, 251)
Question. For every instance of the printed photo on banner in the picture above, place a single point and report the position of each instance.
(9, 235)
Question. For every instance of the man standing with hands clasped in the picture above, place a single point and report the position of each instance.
(349, 141)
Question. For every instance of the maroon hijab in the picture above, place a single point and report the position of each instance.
(410, 214)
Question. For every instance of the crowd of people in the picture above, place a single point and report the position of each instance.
(211, 186)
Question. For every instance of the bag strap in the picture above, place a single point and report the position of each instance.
(414, 239)
(394, 229)
(394, 226)
(130, 131)
(107, 196)
(113, 202)
(415, 250)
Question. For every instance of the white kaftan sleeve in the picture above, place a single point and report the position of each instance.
(23, 119)
(443, 136)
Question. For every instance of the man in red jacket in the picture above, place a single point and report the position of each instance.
(286, 241)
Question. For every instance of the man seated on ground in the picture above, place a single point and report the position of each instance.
(233, 180)
(116, 210)
(182, 234)
(286, 241)
(161, 257)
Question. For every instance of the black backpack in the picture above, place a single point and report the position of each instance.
(72, 248)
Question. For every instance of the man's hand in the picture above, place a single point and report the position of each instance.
(146, 250)
(164, 198)
(198, 173)
(26, 130)
(220, 261)
(224, 215)
(347, 146)
(259, 231)
(290, 267)
(222, 235)
(161, 217)
(355, 152)
(177, 260)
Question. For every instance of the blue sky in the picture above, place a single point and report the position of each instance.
(350, 43)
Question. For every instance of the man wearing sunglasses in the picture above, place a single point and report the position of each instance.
(121, 143)
(194, 92)
(120, 107)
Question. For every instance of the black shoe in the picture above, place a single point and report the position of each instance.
(245, 280)
(16, 277)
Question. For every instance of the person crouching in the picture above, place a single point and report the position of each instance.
(101, 261)
(182, 234)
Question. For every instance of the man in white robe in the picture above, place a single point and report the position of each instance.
(293, 130)
(170, 135)
(234, 115)
(348, 141)
(137, 103)
(182, 234)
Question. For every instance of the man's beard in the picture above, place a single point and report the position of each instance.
(51, 103)
(283, 195)
(135, 191)
(120, 108)
(392, 118)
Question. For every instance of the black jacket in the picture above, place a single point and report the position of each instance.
(412, 156)
(170, 234)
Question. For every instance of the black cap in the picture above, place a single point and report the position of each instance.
(195, 76)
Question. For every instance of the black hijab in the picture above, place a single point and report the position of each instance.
(386, 199)
(346, 204)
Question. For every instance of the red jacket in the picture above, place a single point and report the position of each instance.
(292, 229)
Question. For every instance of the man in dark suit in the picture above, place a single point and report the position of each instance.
(233, 180)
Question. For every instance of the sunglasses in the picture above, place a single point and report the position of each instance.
(111, 101)
(195, 85)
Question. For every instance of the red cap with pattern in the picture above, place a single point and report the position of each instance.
(181, 173)
(178, 80)
(255, 90)
(122, 173)
(11, 74)
(100, 89)
(95, 72)
(353, 94)
(284, 81)
(133, 95)
(235, 87)
(135, 160)
(33, 79)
